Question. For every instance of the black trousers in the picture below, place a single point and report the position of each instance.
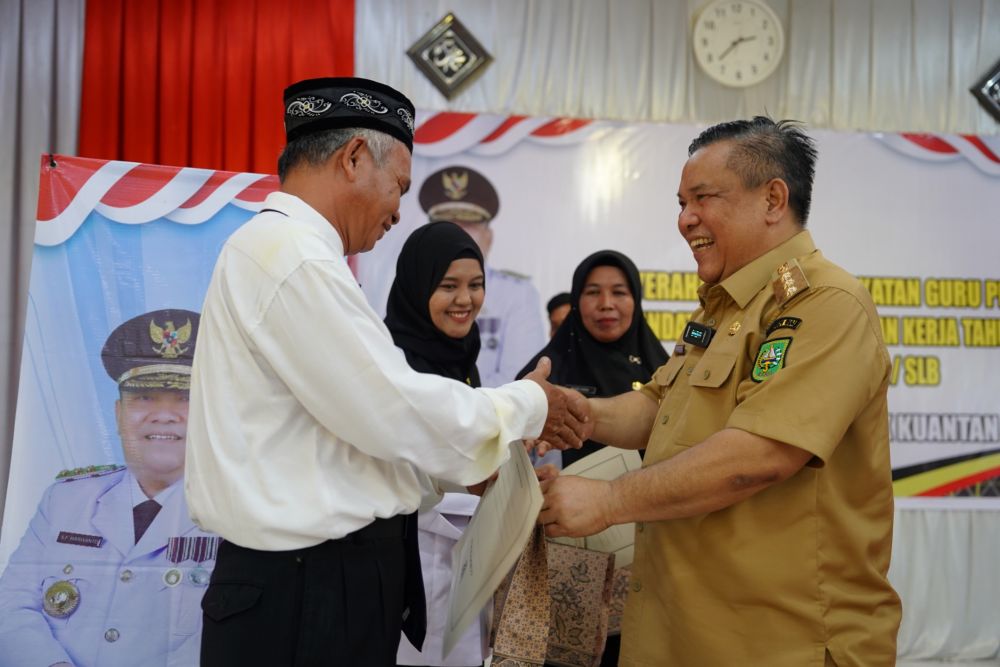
(337, 603)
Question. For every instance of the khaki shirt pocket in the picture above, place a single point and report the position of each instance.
(667, 373)
(709, 404)
(662, 378)
(713, 370)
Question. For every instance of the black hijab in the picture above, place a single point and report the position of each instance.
(601, 369)
(422, 264)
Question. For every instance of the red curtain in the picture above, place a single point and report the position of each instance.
(198, 82)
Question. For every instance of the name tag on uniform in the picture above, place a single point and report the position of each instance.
(80, 539)
(698, 334)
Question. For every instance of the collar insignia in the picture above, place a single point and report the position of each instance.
(788, 281)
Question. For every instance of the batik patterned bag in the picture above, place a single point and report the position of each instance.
(567, 586)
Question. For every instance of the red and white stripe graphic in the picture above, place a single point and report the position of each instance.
(131, 193)
(449, 133)
(981, 151)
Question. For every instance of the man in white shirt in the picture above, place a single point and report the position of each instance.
(308, 432)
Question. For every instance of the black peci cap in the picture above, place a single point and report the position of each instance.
(332, 103)
(153, 351)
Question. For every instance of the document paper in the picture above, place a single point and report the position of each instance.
(492, 542)
(607, 464)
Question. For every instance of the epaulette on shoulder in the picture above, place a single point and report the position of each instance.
(514, 274)
(788, 281)
(88, 471)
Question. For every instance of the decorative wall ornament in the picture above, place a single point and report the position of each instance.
(449, 56)
(987, 91)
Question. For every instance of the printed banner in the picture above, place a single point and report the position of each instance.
(105, 566)
(913, 215)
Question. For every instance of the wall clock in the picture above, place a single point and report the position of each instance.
(738, 42)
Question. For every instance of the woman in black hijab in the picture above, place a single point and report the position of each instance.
(431, 313)
(449, 346)
(604, 346)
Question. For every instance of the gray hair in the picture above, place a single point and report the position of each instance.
(316, 148)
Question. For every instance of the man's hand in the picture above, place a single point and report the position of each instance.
(567, 423)
(480, 488)
(546, 472)
(575, 506)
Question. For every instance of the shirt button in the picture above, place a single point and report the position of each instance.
(707, 373)
(711, 322)
(68, 569)
(665, 419)
(126, 575)
(690, 370)
(636, 585)
(111, 635)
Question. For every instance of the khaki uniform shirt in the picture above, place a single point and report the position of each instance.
(800, 567)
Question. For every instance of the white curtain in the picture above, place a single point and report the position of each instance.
(944, 565)
(899, 65)
(41, 52)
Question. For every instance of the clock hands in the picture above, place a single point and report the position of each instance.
(719, 30)
(736, 42)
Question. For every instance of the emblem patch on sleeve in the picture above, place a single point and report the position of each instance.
(770, 358)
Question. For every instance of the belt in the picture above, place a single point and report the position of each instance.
(379, 529)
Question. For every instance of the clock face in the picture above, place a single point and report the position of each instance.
(738, 42)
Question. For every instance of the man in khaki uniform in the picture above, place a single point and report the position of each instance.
(764, 505)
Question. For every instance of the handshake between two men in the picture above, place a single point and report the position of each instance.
(567, 510)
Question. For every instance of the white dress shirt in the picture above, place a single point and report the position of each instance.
(139, 496)
(306, 423)
(127, 615)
